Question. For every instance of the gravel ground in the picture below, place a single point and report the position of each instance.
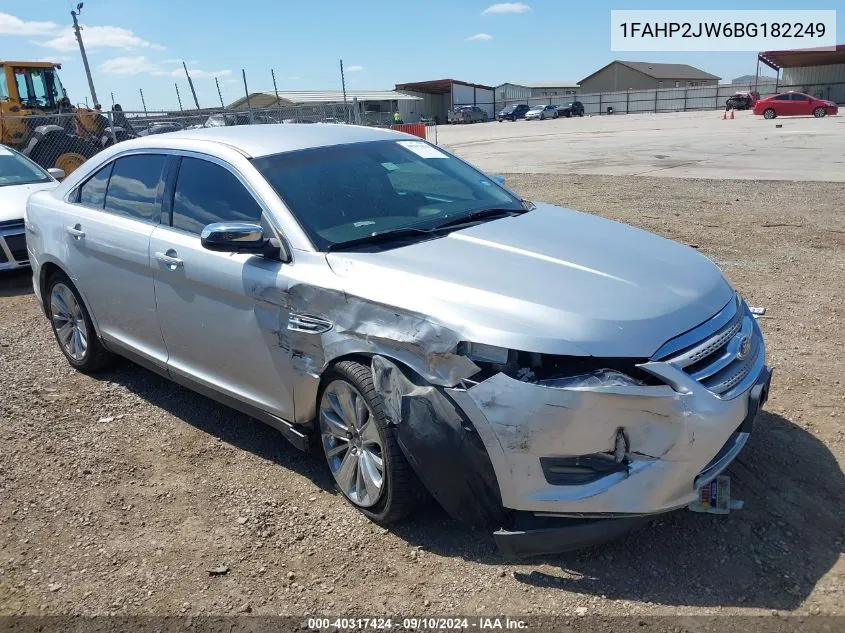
(119, 493)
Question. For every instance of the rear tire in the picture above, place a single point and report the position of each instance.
(72, 326)
(819, 113)
(356, 438)
(769, 113)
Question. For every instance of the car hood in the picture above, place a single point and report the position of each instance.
(552, 280)
(13, 198)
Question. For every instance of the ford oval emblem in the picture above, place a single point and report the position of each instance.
(744, 347)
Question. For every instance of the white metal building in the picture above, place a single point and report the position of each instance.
(441, 95)
(818, 72)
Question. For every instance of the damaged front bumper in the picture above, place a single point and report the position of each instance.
(534, 533)
(673, 435)
(558, 465)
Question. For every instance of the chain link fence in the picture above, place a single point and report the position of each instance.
(66, 140)
(673, 99)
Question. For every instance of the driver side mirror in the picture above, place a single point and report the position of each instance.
(233, 237)
(498, 179)
(58, 174)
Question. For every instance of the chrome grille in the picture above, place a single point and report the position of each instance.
(720, 353)
(13, 243)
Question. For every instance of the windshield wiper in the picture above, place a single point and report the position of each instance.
(381, 236)
(481, 214)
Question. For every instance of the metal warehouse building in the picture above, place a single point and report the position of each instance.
(508, 92)
(441, 95)
(816, 71)
(377, 106)
(619, 75)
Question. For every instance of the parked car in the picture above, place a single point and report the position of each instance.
(513, 112)
(794, 104)
(238, 118)
(574, 108)
(541, 112)
(19, 178)
(743, 100)
(467, 114)
(161, 127)
(518, 360)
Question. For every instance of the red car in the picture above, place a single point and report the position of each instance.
(794, 104)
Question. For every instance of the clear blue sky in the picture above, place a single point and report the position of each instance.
(136, 44)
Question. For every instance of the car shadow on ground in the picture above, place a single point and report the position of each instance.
(769, 555)
(16, 283)
(220, 421)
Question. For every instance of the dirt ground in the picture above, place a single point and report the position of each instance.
(118, 494)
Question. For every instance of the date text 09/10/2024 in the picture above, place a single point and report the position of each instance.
(417, 624)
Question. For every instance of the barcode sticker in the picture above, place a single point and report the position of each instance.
(423, 150)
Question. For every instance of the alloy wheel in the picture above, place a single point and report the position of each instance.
(352, 444)
(68, 322)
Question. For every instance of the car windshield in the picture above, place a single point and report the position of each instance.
(17, 170)
(538, 107)
(346, 192)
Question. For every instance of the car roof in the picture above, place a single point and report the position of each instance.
(263, 140)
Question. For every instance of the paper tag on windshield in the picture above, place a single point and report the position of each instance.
(423, 150)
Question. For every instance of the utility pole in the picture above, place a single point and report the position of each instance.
(343, 83)
(112, 100)
(275, 89)
(191, 84)
(143, 103)
(219, 94)
(178, 98)
(78, 30)
(246, 92)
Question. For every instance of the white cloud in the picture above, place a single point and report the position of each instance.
(55, 59)
(506, 7)
(141, 65)
(99, 37)
(128, 66)
(354, 69)
(11, 25)
(172, 60)
(479, 37)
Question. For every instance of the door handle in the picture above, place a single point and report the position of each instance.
(75, 232)
(169, 260)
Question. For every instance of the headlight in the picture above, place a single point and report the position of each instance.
(555, 370)
(484, 353)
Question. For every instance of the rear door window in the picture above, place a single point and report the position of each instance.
(135, 186)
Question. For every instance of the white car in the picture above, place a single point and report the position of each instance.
(19, 178)
(541, 112)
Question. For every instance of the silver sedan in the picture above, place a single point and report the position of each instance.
(541, 372)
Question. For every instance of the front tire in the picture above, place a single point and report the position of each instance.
(360, 446)
(73, 328)
(769, 113)
(819, 113)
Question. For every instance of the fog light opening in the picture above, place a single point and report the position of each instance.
(621, 446)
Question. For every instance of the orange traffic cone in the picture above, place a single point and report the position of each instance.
(724, 115)
(732, 115)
